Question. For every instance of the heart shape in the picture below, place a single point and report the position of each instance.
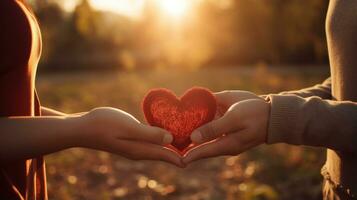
(162, 108)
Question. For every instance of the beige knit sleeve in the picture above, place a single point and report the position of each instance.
(313, 121)
(322, 90)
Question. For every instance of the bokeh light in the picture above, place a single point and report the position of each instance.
(174, 8)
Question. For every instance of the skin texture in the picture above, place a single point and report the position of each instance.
(105, 129)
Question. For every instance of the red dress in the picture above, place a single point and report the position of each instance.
(20, 50)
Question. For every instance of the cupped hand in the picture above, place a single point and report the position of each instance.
(118, 132)
(242, 127)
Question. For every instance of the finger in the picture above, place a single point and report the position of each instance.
(221, 110)
(150, 134)
(218, 147)
(223, 97)
(213, 130)
(228, 98)
(227, 145)
(146, 151)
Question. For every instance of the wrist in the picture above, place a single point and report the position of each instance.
(87, 128)
(76, 131)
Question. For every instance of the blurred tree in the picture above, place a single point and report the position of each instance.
(273, 31)
(221, 33)
(149, 33)
(92, 38)
(85, 20)
(302, 35)
(52, 19)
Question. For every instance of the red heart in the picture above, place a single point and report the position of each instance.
(182, 115)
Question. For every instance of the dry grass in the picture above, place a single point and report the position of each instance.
(267, 172)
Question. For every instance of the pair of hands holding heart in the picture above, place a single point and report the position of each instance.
(206, 125)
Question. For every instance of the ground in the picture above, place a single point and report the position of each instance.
(267, 172)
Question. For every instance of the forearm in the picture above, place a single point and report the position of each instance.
(313, 122)
(25, 137)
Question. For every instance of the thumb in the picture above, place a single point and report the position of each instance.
(153, 135)
(212, 130)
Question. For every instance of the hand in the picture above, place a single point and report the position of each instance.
(118, 132)
(226, 99)
(242, 127)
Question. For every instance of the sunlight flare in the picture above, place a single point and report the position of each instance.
(126, 7)
(174, 8)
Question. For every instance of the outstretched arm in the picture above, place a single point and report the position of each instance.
(29, 137)
(106, 129)
(285, 119)
(322, 90)
(313, 121)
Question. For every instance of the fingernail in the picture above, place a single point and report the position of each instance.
(196, 136)
(167, 139)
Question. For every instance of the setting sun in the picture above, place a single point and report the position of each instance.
(174, 8)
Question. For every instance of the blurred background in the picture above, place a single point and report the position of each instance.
(111, 52)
